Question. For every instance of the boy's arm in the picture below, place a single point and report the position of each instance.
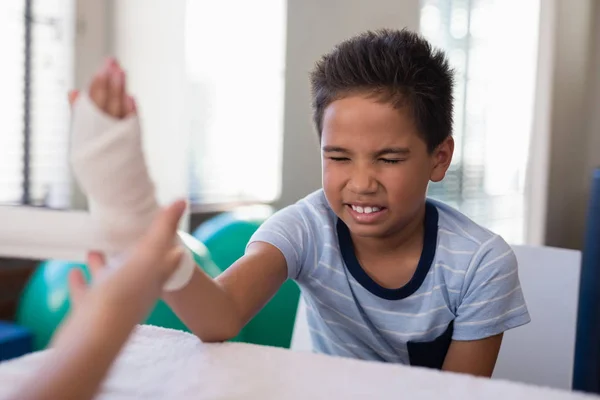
(476, 357)
(491, 303)
(216, 310)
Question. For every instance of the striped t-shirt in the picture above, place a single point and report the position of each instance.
(465, 287)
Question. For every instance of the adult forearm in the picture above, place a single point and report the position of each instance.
(68, 373)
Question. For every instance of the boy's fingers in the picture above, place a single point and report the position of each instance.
(77, 286)
(99, 86)
(116, 92)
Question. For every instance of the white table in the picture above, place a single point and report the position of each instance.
(164, 364)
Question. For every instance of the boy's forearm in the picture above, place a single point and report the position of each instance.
(205, 308)
(216, 310)
(476, 357)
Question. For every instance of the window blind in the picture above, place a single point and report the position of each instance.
(494, 94)
(12, 45)
(37, 39)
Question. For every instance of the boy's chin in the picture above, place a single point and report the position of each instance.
(367, 231)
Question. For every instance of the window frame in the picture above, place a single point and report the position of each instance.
(41, 233)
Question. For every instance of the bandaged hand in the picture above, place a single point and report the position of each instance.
(109, 165)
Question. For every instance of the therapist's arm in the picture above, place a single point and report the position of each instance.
(82, 354)
(104, 316)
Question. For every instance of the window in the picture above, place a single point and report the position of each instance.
(37, 41)
(494, 105)
(235, 67)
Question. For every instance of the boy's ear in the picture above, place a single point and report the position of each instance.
(441, 159)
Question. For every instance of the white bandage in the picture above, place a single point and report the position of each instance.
(108, 163)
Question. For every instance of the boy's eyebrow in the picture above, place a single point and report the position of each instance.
(334, 149)
(386, 151)
(393, 151)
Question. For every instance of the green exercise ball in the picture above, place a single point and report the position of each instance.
(45, 300)
(226, 236)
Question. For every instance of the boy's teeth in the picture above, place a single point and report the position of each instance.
(365, 210)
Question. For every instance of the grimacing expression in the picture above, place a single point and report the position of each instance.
(376, 166)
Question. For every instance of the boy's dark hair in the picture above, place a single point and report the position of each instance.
(395, 66)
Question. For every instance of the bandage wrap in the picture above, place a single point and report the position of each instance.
(109, 165)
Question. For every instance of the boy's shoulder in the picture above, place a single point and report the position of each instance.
(470, 244)
(299, 230)
(310, 218)
(481, 269)
(316, 199)
(458, 227)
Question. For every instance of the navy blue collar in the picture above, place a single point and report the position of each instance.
(427, 256)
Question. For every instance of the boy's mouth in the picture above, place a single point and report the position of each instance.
(366, 209)
(366, 213)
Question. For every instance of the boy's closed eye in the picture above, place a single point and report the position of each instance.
(339, 159)
(384, 160)
(339, 154)
(391, 161)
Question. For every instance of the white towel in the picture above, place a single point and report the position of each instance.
(160, 363)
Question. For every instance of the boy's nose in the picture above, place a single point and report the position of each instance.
(362, 182)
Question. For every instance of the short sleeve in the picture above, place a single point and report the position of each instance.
(286, 230)
(492, 300)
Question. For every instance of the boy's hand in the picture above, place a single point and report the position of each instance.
(108, 91)
(153, 260)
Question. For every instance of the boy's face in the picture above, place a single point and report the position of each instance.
(376, 166)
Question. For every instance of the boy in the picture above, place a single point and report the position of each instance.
(386, 273)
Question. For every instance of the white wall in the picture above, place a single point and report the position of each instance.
(574, 124)
(593, 99)
(92, 45)
(537, 175)
(148, 40)
(314, 27)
